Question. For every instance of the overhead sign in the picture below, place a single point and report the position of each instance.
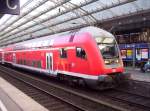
(10, 7)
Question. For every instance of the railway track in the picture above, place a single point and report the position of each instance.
(54, 97)
(87, 100)
(137, 87)
(129, 98)
(48, 100)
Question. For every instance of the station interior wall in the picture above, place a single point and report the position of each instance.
(135, 47)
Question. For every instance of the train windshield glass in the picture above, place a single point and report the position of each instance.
(108, 47)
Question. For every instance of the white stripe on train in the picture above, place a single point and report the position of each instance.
(44, 49)
(54, 73)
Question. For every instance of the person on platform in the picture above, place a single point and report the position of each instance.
(147, 65)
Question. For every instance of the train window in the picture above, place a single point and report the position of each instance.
(33, 63)
(63, 53)
(39, 64)
(24, 62)
(36, 64)
(27, 62)
(80, 53)
(21, 61)
(18, 61)
(30, 63)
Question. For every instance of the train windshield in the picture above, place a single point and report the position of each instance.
(108, 47)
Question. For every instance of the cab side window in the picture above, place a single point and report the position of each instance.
(63, 53)
(81, 53)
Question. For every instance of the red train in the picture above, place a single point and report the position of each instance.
(88, 55)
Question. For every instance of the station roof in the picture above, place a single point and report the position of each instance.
(46, 17)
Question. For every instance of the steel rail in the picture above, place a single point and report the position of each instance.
(101, 102)
(44, 91)
(126, 98)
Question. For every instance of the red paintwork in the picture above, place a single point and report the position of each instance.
(94, 65)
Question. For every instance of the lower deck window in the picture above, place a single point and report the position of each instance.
(39, 64)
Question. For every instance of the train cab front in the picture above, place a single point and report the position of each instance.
(111, 80)
(112, 71)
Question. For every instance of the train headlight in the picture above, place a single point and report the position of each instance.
(107, 61)
(117, 61)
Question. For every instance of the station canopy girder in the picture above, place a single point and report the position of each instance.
(40, 18)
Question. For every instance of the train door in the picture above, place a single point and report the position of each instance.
(49, 62)
(14, 58)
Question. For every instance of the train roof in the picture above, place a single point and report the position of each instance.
(96, 32)
(49, 40)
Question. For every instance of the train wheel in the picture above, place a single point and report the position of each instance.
(71, 82)
(60, 77)
(81, 82)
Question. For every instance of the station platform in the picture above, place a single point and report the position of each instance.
(136, 74)
(12, 99)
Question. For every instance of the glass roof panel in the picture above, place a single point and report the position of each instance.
(77, 2)
(64, 16)
(40, 9)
